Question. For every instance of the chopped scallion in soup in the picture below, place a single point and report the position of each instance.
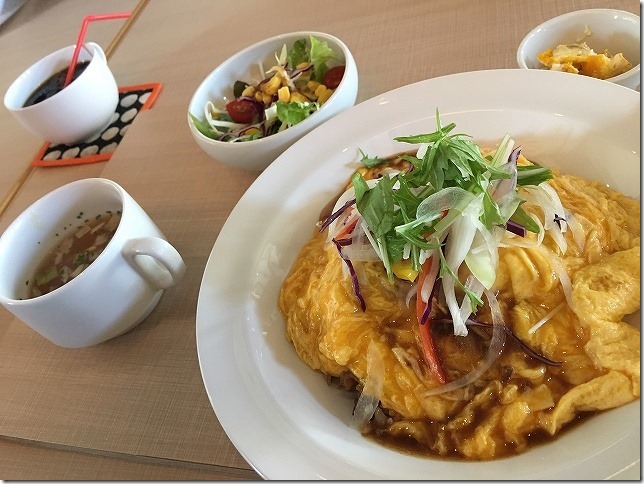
(74, 253)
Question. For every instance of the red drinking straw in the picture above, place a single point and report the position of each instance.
(81, 39)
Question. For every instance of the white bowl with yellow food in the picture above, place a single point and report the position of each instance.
(258, 102)
(601, 43)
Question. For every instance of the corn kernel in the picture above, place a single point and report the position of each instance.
(320, 89)
(301, 65)
(313, 85)
(259, 96)
(272, 85)
(404, 270)
(267, 99)
(298, 97)
(324, 97)
(249, 91)
(284, 94)
(252, 131)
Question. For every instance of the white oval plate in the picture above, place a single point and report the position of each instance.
(282, 416)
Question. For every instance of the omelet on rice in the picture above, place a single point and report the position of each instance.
(519, 399)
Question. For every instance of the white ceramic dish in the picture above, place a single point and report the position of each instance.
(218, 88)
(251, 373)
(613, 30)
(79, 111)
(114, 293)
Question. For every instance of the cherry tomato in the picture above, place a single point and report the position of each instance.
(333, 77)
(242, 110)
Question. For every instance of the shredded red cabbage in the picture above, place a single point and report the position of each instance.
(354, 278)
(336, 214)
(515, 228)
(297, 72)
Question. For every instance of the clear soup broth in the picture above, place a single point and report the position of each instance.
(73, 254)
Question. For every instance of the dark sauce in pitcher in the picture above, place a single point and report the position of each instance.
(54, 84)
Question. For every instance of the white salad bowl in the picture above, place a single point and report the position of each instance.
(218, 87)
(611, 30)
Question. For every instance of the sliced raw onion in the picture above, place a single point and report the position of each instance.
(429, 287)
(474, 285)
(547, 199)
(407, 359)
(295, 73)
(424, 254)
(547, 317)
(461, 236)
(562, 275)
(430, 280)
(372, 389)
(494, 351)
(344, 228)
(577, 230)
(372, 241)
(506, 185)
(483, 257)
(411, 293)
(514, 156)
(360, 252)
(454, 199)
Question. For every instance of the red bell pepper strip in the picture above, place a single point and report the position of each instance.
(424, 330)
(346, 230)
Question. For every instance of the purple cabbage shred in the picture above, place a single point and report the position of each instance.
(354, 277)
(515, 228)
(336, 214)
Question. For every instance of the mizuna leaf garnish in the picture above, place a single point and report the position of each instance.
(454, 203)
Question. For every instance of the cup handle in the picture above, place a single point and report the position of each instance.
(161, 264)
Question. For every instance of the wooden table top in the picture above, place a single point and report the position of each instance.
(135, 407)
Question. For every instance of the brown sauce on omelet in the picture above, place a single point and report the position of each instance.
(472, 348)
(410, 446)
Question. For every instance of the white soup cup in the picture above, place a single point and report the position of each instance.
(114, 293)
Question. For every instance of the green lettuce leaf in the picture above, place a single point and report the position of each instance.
(203, 127)
(293, 113)
(297, 54)
(319, 55)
